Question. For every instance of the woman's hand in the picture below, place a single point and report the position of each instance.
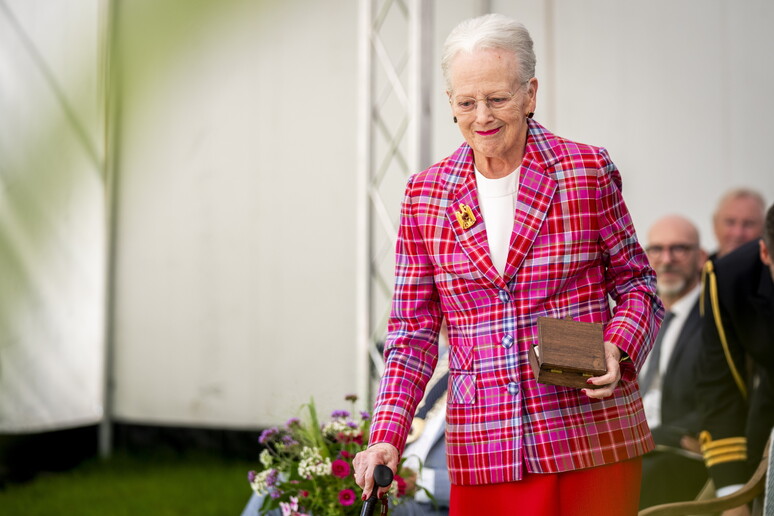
(610, 379)
(368, 459)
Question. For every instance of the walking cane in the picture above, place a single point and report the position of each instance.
(382, 478)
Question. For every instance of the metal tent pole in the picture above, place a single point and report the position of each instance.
(394, 137)
(109, 90)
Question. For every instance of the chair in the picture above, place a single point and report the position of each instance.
(749, 492)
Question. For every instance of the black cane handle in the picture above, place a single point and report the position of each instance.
(382, 478)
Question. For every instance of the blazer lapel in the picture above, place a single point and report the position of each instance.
(536, 190)
(472, 239)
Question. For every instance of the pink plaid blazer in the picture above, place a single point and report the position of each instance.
(573, 245)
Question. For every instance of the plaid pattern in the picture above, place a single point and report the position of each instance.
(573, 244)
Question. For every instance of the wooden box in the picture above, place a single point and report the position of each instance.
(568, 352)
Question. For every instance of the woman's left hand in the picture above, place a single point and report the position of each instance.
(609, 380)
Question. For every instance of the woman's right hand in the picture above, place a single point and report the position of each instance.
(368, 459)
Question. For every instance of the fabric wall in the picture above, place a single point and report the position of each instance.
(234, 300)
(52, 213)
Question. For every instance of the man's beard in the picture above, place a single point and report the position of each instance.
(673, 288)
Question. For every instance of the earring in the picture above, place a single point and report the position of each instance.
(530, 114)
(455, 119)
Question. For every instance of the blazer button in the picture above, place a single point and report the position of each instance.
(504, 296)
(507, 341)
(513, 388)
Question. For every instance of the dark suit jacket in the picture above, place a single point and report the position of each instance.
(669, 477)
(679, 411)
(746, 298)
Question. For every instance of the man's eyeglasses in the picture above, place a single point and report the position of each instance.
(678, 251)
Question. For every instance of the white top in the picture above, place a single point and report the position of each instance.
(652, 399)
(497, 198)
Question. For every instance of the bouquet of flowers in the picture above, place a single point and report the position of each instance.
(307, 466)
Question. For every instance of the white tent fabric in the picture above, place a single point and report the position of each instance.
(52, 213)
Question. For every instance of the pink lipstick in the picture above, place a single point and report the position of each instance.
(487, 133)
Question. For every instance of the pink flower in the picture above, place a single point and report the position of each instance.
(289, 509)
(340, 468)
(346, 497)
(401, 485)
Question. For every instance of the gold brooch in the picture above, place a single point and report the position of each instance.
(465, 216)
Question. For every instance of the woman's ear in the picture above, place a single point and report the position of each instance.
(532, 87)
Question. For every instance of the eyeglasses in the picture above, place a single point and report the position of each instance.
(494, 101)
(678, 251)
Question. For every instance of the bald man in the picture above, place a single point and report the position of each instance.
(667, 380)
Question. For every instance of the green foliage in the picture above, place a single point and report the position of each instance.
(154, 485)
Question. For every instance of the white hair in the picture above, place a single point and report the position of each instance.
(490, 31)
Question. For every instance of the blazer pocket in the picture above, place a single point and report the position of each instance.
(462, 387)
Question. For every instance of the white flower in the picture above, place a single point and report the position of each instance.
(394, 489)
(312, 464)
(341, 426)
(266, 458)
(259, 482)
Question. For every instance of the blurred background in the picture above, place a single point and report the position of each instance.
(198, 198)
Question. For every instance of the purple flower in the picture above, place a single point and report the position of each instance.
(346, 497)
(340, 468)
(268, 434)
(364, 415)
(271, 478)
(293, 421)
(251, 476)
(275, 493)
(352, 424)
(288, 440)
(340, 414)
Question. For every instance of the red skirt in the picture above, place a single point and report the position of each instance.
(611, 490)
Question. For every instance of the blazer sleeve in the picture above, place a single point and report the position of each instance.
(630, 280)
(411, 349)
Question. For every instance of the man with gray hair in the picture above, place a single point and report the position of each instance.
(738, 219)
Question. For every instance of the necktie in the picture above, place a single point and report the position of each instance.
(651, 373)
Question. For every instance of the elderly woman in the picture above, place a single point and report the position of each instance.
(517, 224)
